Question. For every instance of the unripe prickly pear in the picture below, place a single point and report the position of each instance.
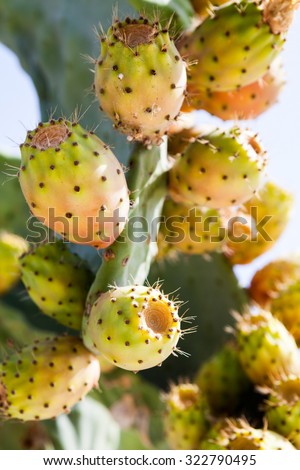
(266, 348)
(268, 282)
(57, 281)
(235, 47)
(239, 435)
(286, 307)
(46, 379)
(134, 327)
(11, 248)
(219, 169)
(73, 183)
(259, 225)
(186, 417)
(247, 102)
(283, 408)
(137, 55)
(190, 230)
(223, 381)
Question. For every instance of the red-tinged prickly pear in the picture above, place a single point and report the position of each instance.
(140, 79)
(46, 379)
(268, 282)
(286, 307)
(133, 327)
(57, 281)
(247, 102)
(186, 416)
(223, 381)
(219, 169)
(283, 408)
(11, 248)
(190, 230)
(235, 47)
(266, 349)
(73, 183)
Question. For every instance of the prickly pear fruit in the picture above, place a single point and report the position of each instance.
(260, 224)
(57, 281)
(247, 102)
(220, 169)
(46, 379)
(134, 327)
(223, 381)
(62, 155)
(233, 48)
(11, 248)
(268, 282)
(190, 230)
(286, 307)
(186, 417)
(215, 438)
(137, 55)
(266, 349)
(283, 408)
(205, 8)
(239, 435)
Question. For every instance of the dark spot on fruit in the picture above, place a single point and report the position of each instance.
(128, 89)
(77, 189)
(68, 215)
(152, 72)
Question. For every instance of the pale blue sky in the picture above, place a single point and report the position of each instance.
(279, 130)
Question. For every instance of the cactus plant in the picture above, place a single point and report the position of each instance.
(100, 282)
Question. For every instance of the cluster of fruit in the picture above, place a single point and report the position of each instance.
(218, 200)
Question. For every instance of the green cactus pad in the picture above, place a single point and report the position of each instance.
(46, 379)
(57, 281)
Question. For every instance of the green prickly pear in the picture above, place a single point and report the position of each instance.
(137, 55)
(230, 50)
(11, 248)
(57, 281)
(223, 381)
(283, 408)
(73, 183)
(266, 349)
(186, 416)
(221, 168)
(46, 379)
(286, 307)
(133, 327)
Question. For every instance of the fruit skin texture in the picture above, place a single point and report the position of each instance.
(57, 281)
(267, 215)
(133, 327)
(283, 408)
(231, 51)
(272, 279)
(266, 349)
(61, 158)
(186, 417)
(220, 169)
(223, 381)
(247, 102)
(137, 56)
(11, 248)
(286, 307)
(239, 435)
(189, 230)
(46, 379)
